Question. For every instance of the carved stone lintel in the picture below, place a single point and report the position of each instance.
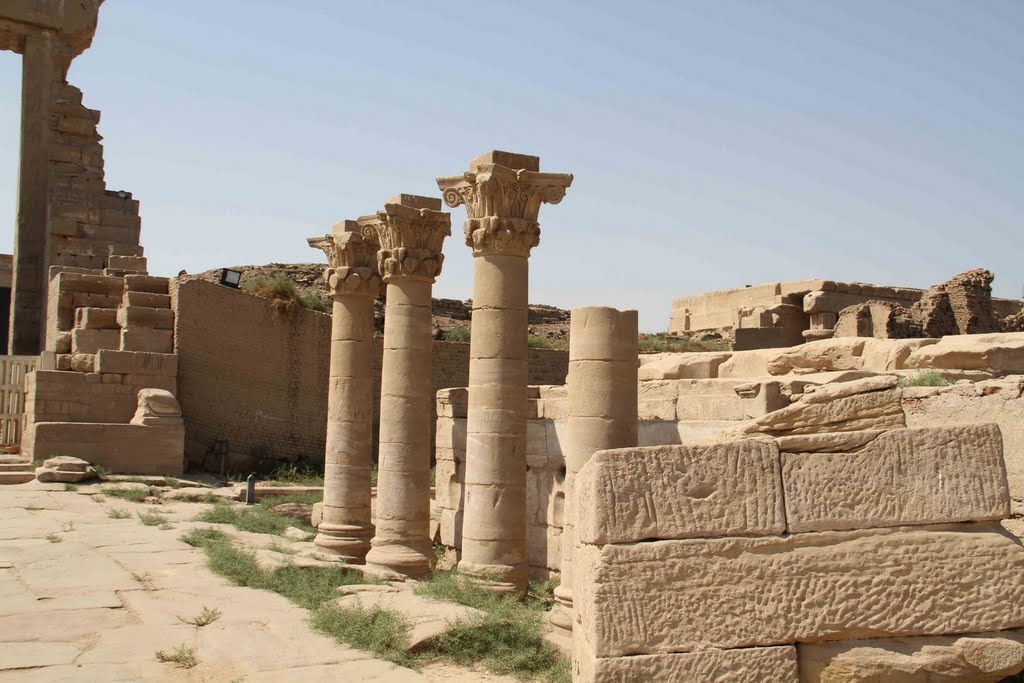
(502, 205)
(411, 239)
(352, 259)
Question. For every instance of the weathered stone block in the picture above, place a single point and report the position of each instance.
(748, 665)
(127, 448)
(139, 316)
(684, 595)
(631, 494)
(146, 339)
(137, 363)
(91, 341)
(899, 477)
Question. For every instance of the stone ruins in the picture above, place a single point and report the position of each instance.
(834, 498)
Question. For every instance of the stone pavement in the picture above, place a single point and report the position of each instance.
(100, 602)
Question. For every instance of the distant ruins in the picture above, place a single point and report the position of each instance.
(781, 314)
(830, 501)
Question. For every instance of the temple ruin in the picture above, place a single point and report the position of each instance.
(835, 498)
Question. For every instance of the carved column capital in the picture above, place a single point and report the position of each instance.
(502, 202)
(411, 232)
(352, 259)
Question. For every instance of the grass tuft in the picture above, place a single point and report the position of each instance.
(145, 580)
(663, 343)
(279, 288)
(118, 513)
(53, 538)
(925, 378)
(206, 617)
(182, 657)
(153, 519)
(312, 301)
(295, 474)
(200, 538)
(132, 495)
(70, 487)
(459, 334)
(535, 341)
(259, 518)
(382, 632)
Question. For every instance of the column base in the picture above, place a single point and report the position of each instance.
(348, 542)
(817, 335)
(502, 579)
(561, 616)
(399, 559)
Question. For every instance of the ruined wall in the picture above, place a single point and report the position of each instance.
(257, 378)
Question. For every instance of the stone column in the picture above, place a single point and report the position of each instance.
(502, 193)
(31, 251)
(411, 232)
(602, 386)
(354, 284)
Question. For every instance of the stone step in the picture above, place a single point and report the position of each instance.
(16, 467)
(146, 283)
(93, 318)
(143, 316)
(147, 299)
(16, 477)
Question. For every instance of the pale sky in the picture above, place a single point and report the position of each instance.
(714, 144)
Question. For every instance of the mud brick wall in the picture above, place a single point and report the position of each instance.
(257, 378)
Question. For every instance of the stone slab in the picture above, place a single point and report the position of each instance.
(137, 363)
(686, 595)
(686, 491)
(970, 658)
(118, 447)
(756, 664)
(901, 477)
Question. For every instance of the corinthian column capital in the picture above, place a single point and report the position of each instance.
(502, 193)
(411, 231)
(352, 260)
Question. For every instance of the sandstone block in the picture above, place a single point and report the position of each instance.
(48, 475)
(66, 463)
(140, 316)
(747, 364)
(96, 318)
(137, 363)
(124, 448)
(697, 365)
(135, 264)
(145, 283)
(749, 665)
(970, 658)
(685, 595)
(900, 477)
(631, 494)
(91, 341)
(146, 339)
(147, 300)
(1000, 353)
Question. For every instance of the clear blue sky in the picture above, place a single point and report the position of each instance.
(714, 143)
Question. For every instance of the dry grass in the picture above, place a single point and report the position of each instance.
(182, 657)
(206, 617)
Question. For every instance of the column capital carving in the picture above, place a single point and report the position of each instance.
(352, 260)
(502, 202)
(411, 231)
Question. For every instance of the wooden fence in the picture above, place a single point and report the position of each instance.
(12, 395)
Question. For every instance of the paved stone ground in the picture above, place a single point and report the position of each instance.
(97, 604)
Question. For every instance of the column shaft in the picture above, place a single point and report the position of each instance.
(402, 542)
(31, 251)
(346, 528)
(494, 519)
(602, 387)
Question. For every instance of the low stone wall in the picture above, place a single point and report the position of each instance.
(736, 561)
(256, 377)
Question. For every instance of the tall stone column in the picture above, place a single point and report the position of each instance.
(31, 243)
(411, 232)
(502, 193)
(602, 413)
(354, 284)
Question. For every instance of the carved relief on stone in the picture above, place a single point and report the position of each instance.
(352, 259)
(410, 240)
(502, 205)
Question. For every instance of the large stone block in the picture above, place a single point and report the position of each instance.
(971, 658)
(748, 665)
(137, 363)
(631, 494)
(697, 365)
(687, 595)
(123, 448)
(899, 477)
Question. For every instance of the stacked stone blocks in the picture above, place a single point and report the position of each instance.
(730, 557)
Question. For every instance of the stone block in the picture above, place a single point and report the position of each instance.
(136, 264)
(137, 363)
(632, 494)
(657, 409)
(123, 448)
(748, 665)
(140, 316)
(969, 658)
(146, 339)
(899, 477)
(696, 365)
(687, 595)
(147, 299)
(96, 318)
(91, 341)
(145, 283)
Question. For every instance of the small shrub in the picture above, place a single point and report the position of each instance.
(382, 632)
(299, 474)
(145, 580)
(207, 497)
(153, 519)
(535, 341)
(70, 487)
(204, 618)
(132, 495)
(117, 513)
(53, 538)
(925, 378)
(313, 302)
(278, 288)
(459, 334)
(183, 657)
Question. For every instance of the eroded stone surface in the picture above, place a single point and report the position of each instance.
(684, 595)
(901, 477)
(664, 492)
(761, 664)
(973, 658)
